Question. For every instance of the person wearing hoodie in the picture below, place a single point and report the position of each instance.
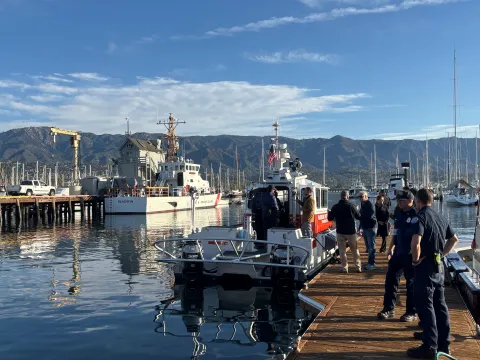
(344, 214)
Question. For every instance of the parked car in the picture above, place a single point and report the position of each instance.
(31, 187)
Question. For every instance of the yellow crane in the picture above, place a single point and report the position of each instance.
(74, 143)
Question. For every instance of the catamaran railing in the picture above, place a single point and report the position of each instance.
(239, 259)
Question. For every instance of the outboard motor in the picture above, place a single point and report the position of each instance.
(282, 277)
(192, 308)
(192, 271)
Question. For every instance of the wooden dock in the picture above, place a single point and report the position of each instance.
(19, 209)
(348, 327)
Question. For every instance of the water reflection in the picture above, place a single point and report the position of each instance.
(219, 318)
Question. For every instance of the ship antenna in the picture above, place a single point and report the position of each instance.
(172, 143)
(276, 125)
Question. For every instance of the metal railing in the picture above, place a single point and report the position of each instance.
(240, 256)
(148, 191)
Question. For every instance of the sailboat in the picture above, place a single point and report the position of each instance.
(460, 193)
(236, 193)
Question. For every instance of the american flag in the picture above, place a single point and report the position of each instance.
(271, 156)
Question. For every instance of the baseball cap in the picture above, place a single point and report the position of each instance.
(405, 195)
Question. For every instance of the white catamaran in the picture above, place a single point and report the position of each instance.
(285, 257)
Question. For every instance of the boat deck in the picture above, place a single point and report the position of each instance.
(348, 328)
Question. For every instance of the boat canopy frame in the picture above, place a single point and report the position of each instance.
(239, 259)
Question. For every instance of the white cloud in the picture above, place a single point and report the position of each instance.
(315, 17)
(320, 3)
(88, 76)
(112, 47)
(311, 3)
(55, 78)
(54, 88)
(147, 39)
(433, 132)
(47, 98)
(14, 84)
(294, 56)
(223, 107)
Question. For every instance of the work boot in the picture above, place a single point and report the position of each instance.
(408, 317)
(418, 335)
(385, 314)
(421, 352)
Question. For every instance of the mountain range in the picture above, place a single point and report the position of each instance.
(345, 157)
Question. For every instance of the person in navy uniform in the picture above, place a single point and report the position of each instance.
(400, 261)
(430, 229)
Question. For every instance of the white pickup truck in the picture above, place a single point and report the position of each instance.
(31, 187)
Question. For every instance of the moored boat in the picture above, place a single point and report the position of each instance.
(463, 265)
(284, 257)
(176, 180)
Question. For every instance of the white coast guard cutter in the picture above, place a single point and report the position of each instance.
(286, 257)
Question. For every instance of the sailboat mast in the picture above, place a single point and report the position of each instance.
(427, 178)
(263, 161)
(371, 170)
(455, 112)
(476, 157)
(374, 166)
(236, 162)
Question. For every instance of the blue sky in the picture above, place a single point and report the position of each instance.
(357, 68)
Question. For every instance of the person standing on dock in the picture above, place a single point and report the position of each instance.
(400, 261)
(368, 224)
(386, 200)
(430, 229)
(344, 214)
(381, 212)
(308, 208)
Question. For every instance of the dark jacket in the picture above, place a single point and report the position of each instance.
(404, 230)
(344, 213)
(381, 212)
(269, 205)
(368, 220)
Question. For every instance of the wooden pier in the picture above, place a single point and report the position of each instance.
(348, 328)
(19, 209)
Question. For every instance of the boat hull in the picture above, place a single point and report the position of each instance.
(124, 205)
(460, 200)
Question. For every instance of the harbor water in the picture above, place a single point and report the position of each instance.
(81, 290)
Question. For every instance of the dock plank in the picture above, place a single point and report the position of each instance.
(348, 328)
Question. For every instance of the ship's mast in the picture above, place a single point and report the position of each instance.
(277, 159)
(172, 140)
